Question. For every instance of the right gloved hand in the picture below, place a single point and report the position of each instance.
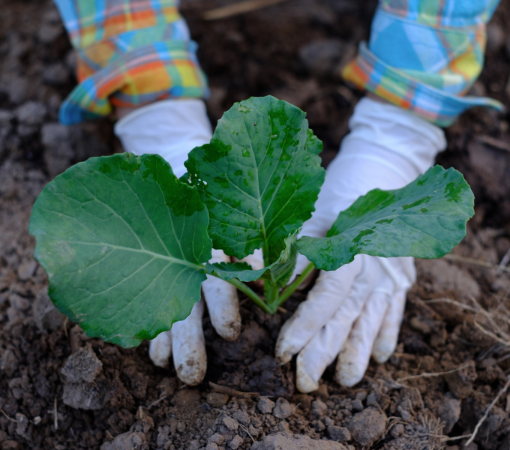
(356, 311)
(171, 128)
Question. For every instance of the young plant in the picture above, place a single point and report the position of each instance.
(125, 243)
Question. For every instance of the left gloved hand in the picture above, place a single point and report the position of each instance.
(171, 128)
(357, 310)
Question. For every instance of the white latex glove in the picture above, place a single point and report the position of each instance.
(171, 128)
(357, 310)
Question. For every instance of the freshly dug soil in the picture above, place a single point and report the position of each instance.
(61, 390)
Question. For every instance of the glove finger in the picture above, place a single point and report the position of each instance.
(160, 349)
(329, 293)
(222, 302)
(325, 345)
(223, 305)
(188, 345)
(386, 340)
(354, 357)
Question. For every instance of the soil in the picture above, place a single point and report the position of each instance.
(61, 390)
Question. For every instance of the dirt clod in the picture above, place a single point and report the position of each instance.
(283, 409)
(236, 442)
(127, 441)
(216, 399)
(230, 423)
(461, 381)
(339, 434)
(367, 426)
(449, 412)
(285, 441)
(319, 408)
(265, 405)
(82, 366)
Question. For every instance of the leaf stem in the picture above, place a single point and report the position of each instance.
(291, 288)
(250, 293)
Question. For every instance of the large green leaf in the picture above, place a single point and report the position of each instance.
(425, 219)
(259, 177)
(122, 240)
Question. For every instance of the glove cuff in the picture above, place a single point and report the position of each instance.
(169, 128)
(395, 137)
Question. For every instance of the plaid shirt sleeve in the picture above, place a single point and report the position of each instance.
(130, 52)
(424, 55)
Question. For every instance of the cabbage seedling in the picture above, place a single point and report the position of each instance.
(125, 243)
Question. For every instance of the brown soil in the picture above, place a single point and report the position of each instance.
(60, 390)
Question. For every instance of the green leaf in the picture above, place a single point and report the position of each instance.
(259, 177)
(424, 219)
(122, 240)
(240, 270)
(281, 270)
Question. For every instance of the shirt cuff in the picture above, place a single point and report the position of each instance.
(369, 72)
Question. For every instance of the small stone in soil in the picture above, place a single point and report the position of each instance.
(461, 381)
(328, 421)
(21, 424)
(319, 408)
(236, 442)
(357, 405)
(230, 423)
(449, 412)
(242, 416)
(31, 113)
(216, 399)
(397, 430)
(129, 440)
(285, 441)
(82, 366)
(216, 438)
(265, 405)
(26, 269)
(319, 425)
(339, 434)
(283, 409)
(20, 303)
(367, 426)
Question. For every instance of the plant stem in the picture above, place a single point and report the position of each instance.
(250, 293)
(291, 288)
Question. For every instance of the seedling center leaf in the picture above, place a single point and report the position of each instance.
(424, 219)
(122, 240)
(240, 270)
(259, 176)
(281, 269)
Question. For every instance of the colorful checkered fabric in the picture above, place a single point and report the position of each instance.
(424, 55)
(130, 52)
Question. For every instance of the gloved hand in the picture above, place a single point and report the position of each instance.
(171, 128)
(357, 310)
